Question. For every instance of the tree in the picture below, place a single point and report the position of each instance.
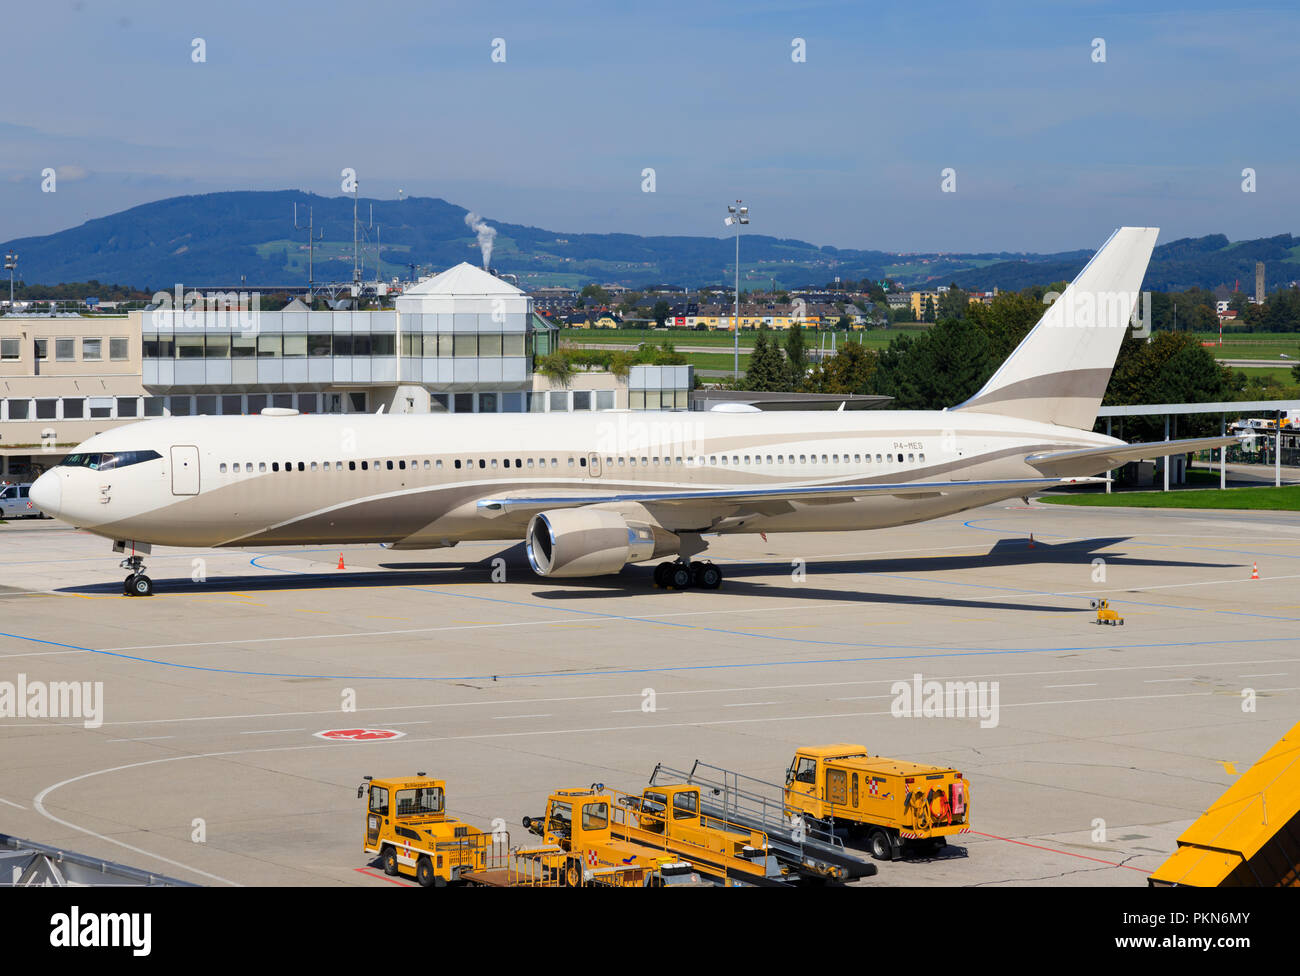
(661, 312)
(597, 294)
(767, 369)
(848, 371)
(935, 369)
(796, 355)
(953, 303)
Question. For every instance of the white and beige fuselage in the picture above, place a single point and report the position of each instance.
(431, 480)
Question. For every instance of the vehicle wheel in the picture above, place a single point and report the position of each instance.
(127, 587)
(679, 577)
(424, 872)
(881, 848)
(141, 585)
(389, 860)
(707, 576)
(661, 574)
(572, 876)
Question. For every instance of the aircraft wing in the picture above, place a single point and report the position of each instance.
(501, 504)
(1092, 460)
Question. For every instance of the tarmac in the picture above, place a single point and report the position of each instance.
(206, 765)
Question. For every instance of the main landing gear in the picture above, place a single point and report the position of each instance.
(137, 584)
(680, 575)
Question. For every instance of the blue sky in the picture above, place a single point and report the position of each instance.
(1051, 150)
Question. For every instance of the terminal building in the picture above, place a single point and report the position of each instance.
(463, 341)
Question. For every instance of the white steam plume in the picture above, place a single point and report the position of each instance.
(486, 235)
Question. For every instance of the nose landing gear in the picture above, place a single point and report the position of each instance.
(137, 584)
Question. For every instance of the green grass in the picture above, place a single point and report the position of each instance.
(1286, 498)
(1253, 345)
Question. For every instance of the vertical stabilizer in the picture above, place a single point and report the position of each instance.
(1059, 372)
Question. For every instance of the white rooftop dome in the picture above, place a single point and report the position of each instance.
(465, 279)
(467, 290)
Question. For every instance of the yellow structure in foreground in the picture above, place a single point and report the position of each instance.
(1250, 836)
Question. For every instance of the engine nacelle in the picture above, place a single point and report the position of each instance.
(590, 542)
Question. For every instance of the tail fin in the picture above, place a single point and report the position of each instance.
(1059, 372)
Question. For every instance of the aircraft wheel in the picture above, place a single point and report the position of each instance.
(678, 576)
(661, 574)
(127, 586)
(141, 585)
(706, 576)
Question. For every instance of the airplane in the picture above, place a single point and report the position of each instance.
(589, 493)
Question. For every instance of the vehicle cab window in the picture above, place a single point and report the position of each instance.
(378, 800)
(806, 771)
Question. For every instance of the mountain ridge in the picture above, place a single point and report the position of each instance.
(247, 237)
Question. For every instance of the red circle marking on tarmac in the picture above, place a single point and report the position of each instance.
(359, 735)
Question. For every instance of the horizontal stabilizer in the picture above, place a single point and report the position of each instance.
(1093, 460)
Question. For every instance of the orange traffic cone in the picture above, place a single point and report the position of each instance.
(1254, 570)
(341, 566)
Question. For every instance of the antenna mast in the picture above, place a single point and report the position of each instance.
(311, 249)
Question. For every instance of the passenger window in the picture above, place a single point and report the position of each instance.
(582, 462)
(401, 465)
(302, 466)
(570, 462)
(519, 463)
(235, 467)
(900, 459)
(803, 459)
(438, 464)
(877, 458)
(713, 459)
(632, 462)
(494, 462)
(911, 457)
(365, 465)
(482, 463)
(530, 462)
(261, 465)
(457, 464)
(313, 465)
(389, 465)
(724, 459)
(352, 465)
(921, 458)
(275, 465)
(222, 468)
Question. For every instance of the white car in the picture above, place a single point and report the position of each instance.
(14, 503)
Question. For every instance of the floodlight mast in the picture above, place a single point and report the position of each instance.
(736, 215)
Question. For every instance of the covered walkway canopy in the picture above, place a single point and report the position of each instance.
(1236, 407)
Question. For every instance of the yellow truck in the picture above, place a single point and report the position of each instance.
(1250, 836)
(407, 826)
(899, 804)
(583, 851)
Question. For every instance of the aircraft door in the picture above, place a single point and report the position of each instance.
(593, 465)
(185, 470)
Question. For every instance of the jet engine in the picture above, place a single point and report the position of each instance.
(591, 542)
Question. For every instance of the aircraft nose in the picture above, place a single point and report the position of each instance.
(47, 492)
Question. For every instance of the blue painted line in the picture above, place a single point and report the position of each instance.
(962, 652)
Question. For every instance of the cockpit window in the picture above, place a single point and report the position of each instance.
(107, 460)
